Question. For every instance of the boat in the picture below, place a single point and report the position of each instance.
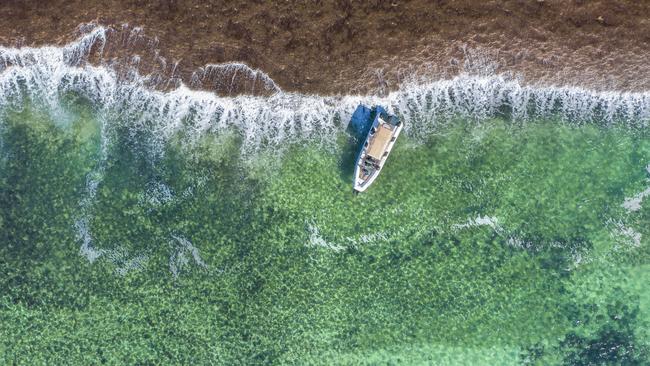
(379, 141)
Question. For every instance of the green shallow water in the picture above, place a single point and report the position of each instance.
(488, 243)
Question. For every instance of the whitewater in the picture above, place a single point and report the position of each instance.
(509, 225)
(45, 73)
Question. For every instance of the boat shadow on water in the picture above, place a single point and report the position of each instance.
(348, 158)
(379, 131)
(357, 130)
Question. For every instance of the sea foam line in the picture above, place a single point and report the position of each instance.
(47, 73)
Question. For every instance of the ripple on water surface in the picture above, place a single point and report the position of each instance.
(509, 223)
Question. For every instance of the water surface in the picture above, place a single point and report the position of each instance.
(509, 226)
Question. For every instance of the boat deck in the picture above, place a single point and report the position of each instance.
(379, 143)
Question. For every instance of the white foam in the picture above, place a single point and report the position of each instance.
(316, 240)
(179, 258)
(225, 76)
(516, 242)
(628, 235)
(47, 72)
(124, 262)
(634, 203)
(370, 238)
(156, 194)
(44, 74)
(491, 221)
(87, 250)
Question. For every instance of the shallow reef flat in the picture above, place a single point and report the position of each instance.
(486, 242)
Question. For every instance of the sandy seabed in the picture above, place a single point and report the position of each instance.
(342, 47)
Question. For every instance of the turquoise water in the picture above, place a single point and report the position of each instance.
(134, 235)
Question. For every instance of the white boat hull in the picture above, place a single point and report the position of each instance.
(374, 154)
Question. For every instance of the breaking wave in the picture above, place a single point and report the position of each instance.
(46, 74)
